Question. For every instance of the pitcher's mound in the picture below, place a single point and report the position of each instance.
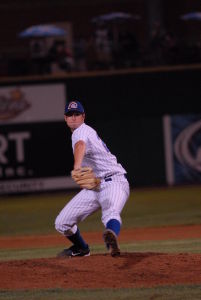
(102, 271)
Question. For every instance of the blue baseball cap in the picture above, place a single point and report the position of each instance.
(74, 106)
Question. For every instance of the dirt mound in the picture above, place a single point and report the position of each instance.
(102, 271)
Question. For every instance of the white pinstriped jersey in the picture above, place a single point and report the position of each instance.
(110, 197)
(97, 155)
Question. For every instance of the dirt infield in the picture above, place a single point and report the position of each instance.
(104, 271)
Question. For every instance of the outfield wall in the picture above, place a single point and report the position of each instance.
(126, 108)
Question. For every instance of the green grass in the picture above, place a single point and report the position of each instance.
(165, 206)
(26, 215)
(170, 246)
(158, 293)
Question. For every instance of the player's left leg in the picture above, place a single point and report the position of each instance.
(112, 199)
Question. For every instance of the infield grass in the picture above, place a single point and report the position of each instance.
(170, 246)
(158, 293)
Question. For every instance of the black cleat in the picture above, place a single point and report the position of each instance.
(74, 251)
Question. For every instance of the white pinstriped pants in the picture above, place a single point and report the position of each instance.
(110, 198)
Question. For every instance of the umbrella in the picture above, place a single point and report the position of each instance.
(115, 16)
(46, 30)
(191, 16)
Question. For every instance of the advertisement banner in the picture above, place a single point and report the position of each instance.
(31, 103)
(33, 152)
(182, 136)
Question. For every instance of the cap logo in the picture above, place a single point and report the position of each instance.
(72, 105)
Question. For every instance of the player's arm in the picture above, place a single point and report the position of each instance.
(79, 151)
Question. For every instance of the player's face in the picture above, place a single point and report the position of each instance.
(74, 120)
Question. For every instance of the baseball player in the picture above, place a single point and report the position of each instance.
(109, 192)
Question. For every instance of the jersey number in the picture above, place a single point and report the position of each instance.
(104, 145)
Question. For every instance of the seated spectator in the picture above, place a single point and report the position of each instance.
(80, 48)
(60, 57)
(126, 54)
(103, 47)
(38, 54)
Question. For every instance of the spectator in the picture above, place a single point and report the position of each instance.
(38, 53)
(126, 53)
(80, 48)
(60, 57)
(103, 46)
(155, 47)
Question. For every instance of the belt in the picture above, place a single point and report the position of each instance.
(109, 177)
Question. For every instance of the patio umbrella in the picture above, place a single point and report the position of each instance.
(115, 16)
(46, 30)
(192, 16)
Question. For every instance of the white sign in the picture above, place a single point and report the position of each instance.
(37, 184)
(32, 103)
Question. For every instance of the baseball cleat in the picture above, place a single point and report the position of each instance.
(111, 243)
(74, 251)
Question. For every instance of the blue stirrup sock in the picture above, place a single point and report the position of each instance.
(114, 225)
(77, 240)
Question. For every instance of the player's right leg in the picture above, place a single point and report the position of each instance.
(79, 207)
(79, 247)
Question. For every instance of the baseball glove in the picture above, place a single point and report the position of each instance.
(85, 178)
